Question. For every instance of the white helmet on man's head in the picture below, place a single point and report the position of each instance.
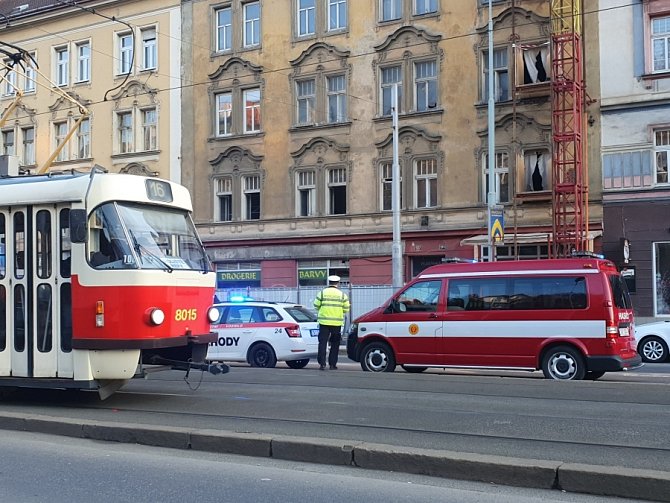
(333, 279)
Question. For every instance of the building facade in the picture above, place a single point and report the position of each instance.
(288, 147)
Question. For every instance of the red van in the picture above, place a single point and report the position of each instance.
(572, 318)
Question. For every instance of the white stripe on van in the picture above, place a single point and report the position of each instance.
(506, 272)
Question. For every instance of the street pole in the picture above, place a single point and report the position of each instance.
(396, 249)
(491, 196)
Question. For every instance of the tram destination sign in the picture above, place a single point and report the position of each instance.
(159, 190)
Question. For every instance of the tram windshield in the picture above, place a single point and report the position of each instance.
(140, 236)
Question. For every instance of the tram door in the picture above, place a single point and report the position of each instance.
(5, 334)
(39, 275)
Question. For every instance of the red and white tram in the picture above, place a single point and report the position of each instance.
(100, 273)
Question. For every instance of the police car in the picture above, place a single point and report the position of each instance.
(262, 333)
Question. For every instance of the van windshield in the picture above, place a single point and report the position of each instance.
(620, 293)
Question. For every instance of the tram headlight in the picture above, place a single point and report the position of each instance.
(157, 316)
(213, 314)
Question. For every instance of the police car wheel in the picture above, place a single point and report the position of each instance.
(378, 357)
(563, 363)
(262, 355)
(652, 349)
(298, 364)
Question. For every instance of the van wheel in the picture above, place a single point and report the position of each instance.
(652, 349)
(298, 364)
(377, 357)
(563, 363)
(413, 370)
(262, 355)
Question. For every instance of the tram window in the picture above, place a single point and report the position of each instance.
(19, 245)
(66, 317)
(43, 227)
(3, 256)
(19, 318)
(44, 326)
(3, 318)
(65, 243)
(107, 245)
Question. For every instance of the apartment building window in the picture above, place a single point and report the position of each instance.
(29, 83)
(337, 191)
(422, 7)
(662, 149)
(252, 197)
(660, 43)
(149, 53)
(390, 77)
(306, 187)
(84, 139)
(390, 9)
(536, 170)
(425, 85)
(536, 68)
(149, 137)
(425, 183)
(28, 145)
(62, 66)
(8, 146)
(306, 17)
(224, 197)
(386, 197)
(125, 132)
(252, 24)
(337, 99)
(306, 98)
(500, 75)
(501, 176)
(60, 132)
(9, 88)
(224, 29)
(252, 110)
(224, 108)
(337, 14)
(83, 61)
(125, 49)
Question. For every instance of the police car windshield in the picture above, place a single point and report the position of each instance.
(300, 314)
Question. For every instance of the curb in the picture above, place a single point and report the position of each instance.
(534, 473)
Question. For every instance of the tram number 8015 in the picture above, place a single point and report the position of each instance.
(186, 314)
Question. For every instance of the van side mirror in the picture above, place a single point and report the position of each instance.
(78, 226)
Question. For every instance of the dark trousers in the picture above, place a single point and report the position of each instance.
(334, 335)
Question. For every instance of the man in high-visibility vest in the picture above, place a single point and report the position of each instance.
(331, 304)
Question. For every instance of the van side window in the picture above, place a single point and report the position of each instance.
(550, 292)
(421, 296)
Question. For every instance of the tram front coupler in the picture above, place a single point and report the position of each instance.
(212, 368)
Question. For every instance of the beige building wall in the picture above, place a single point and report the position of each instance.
(150, 94)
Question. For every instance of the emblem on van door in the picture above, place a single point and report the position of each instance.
(624, 315)
(413, 329)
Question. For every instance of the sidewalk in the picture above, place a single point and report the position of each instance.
(579, 478)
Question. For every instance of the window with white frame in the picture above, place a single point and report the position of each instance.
(224, 197)
(337, 14)
(536, 165)
(386, 196)
(501, 176)
(660, 44)
(390, 9)
(84, 139)
(224, 113)
(306, 98)
(83, 61)
(125, 133)
(28, 145)
(149, 125)
(337, 98)
(306, 17)
(125, 52)
(500, 75)
(337, 191)
(425, 85)
(29, 83)
(390, 77)
(425, 183)
(252, 24)
(536, 68)
(60, 132)
(422, 7)
(252, 110)
(252, 197)
(8, 142)
(62, 68)
(149, 50)
(306, 197)
(662, 149)
(9, 87)
(224, 29)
